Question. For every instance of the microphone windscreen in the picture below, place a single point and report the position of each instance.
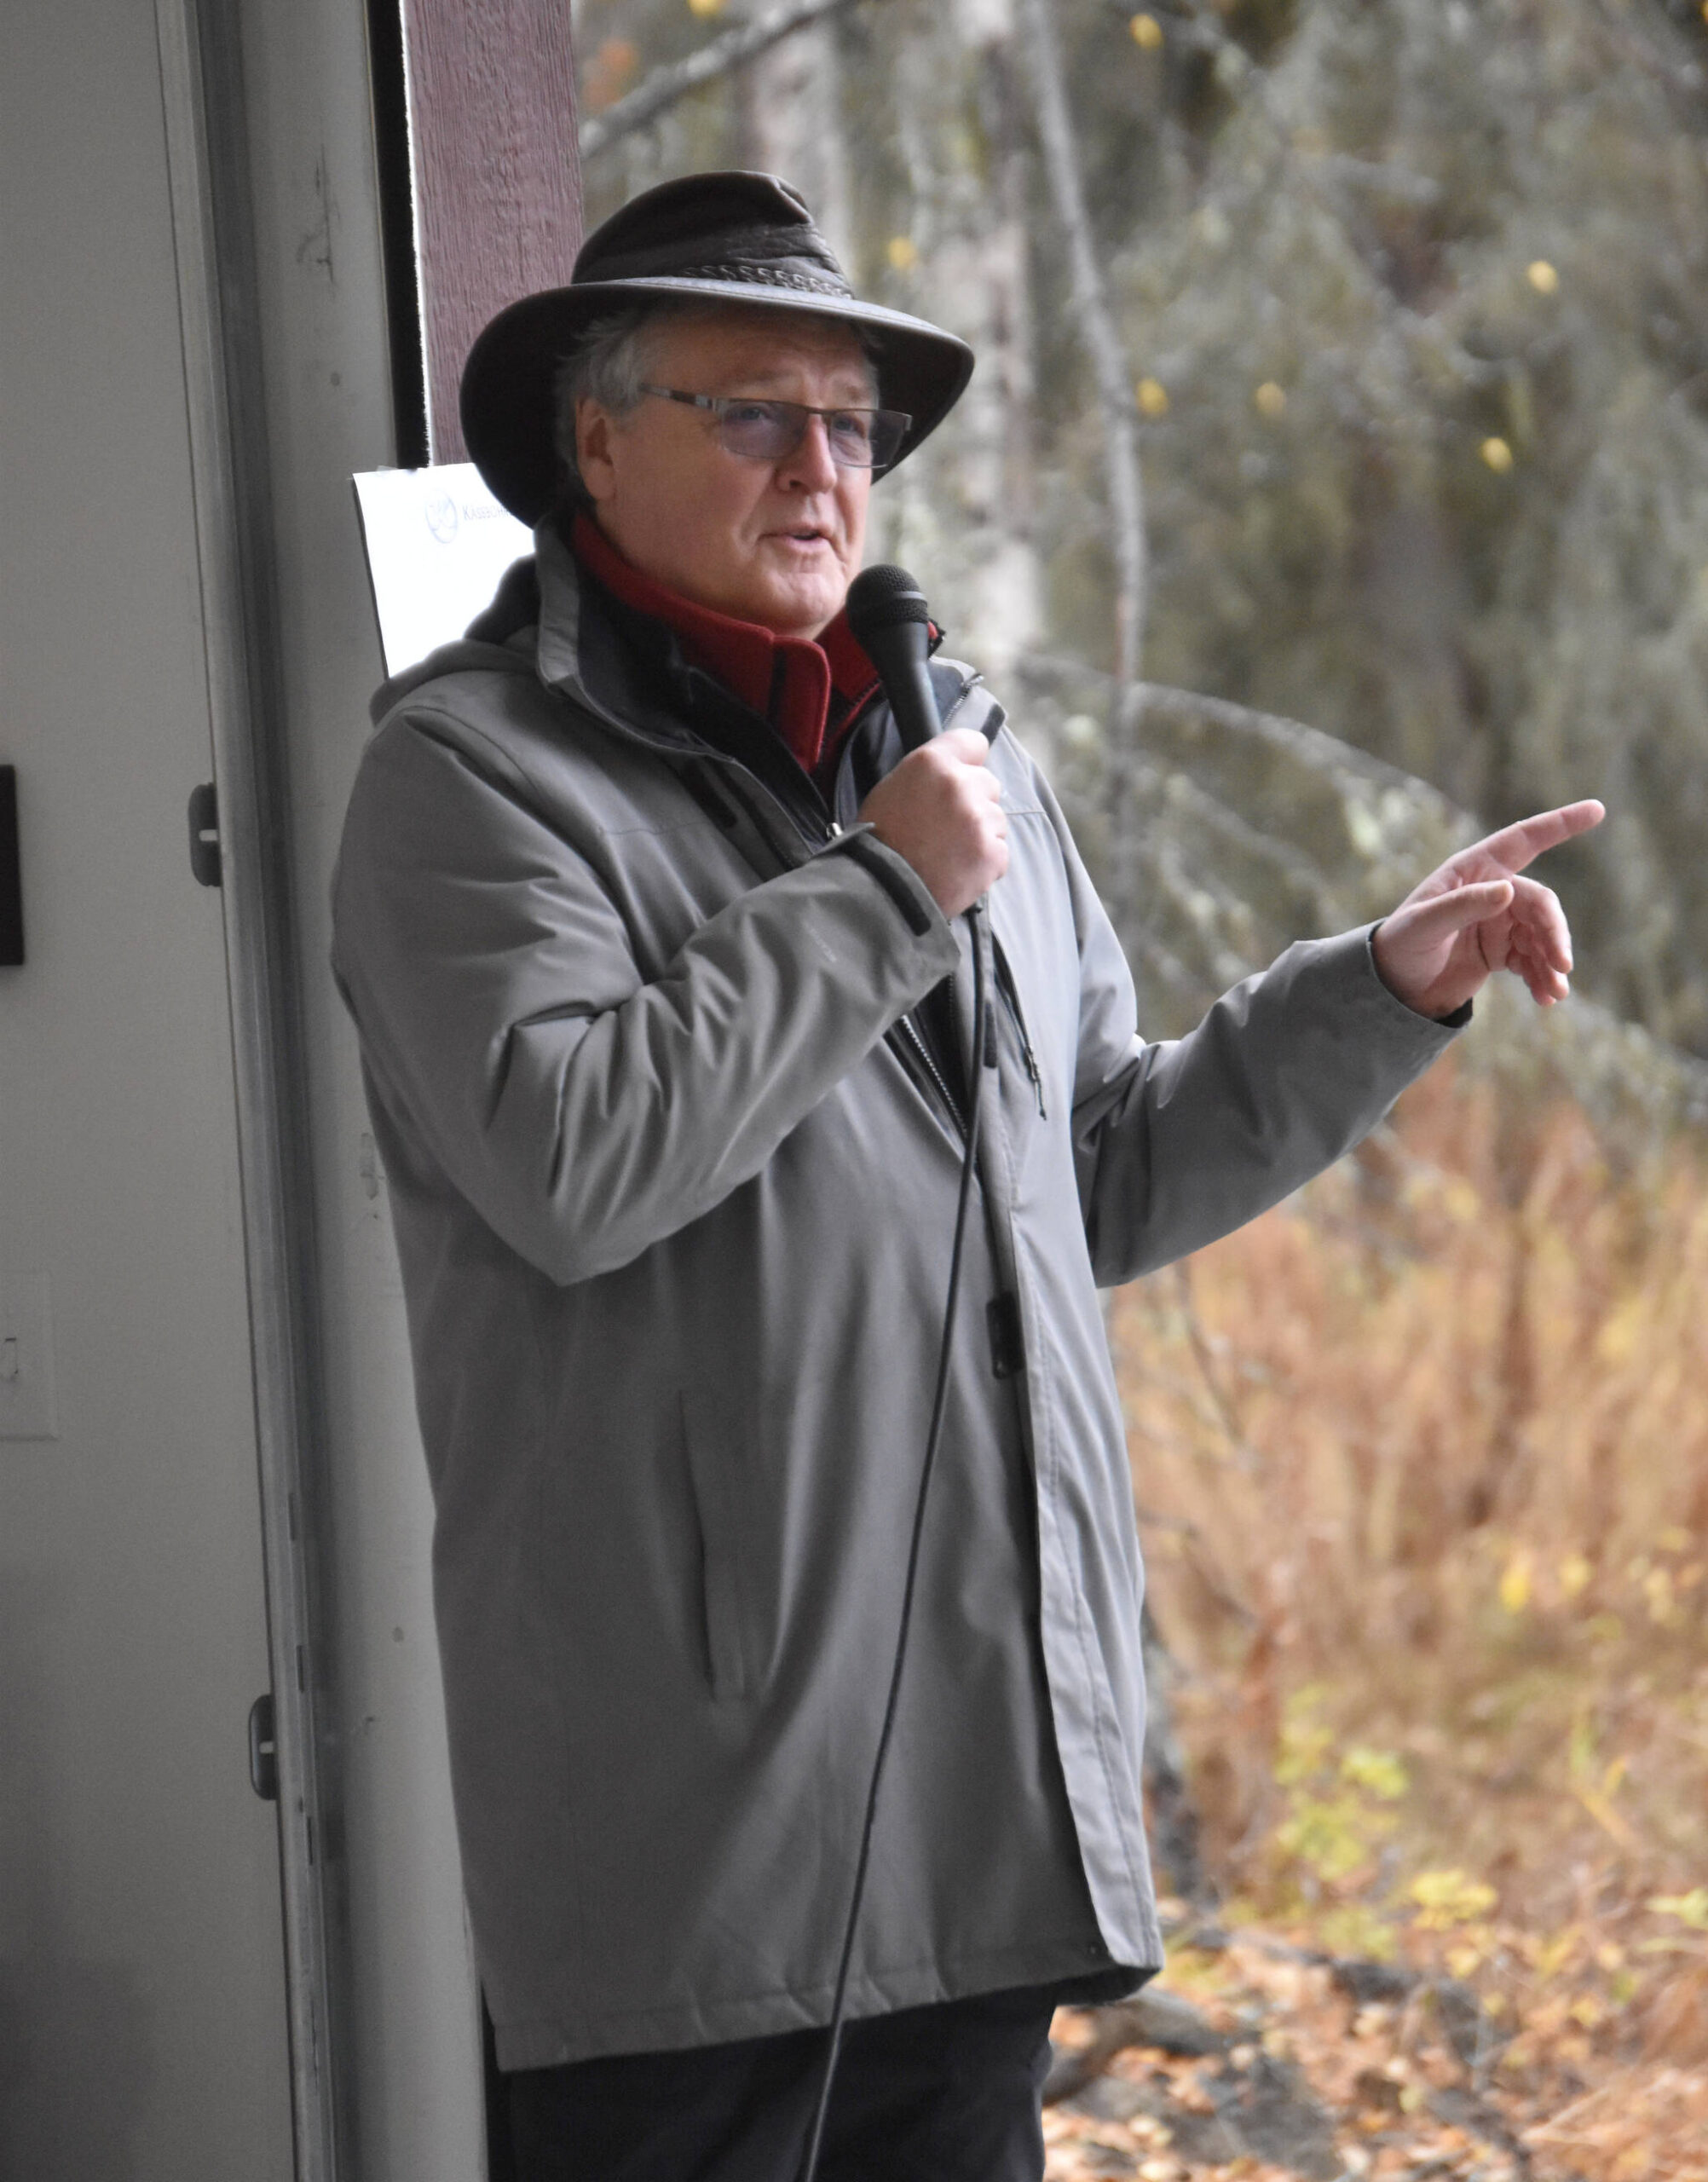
(884, 598)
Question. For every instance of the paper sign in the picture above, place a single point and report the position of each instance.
(437, 543)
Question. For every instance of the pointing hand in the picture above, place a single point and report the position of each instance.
(1475, 915)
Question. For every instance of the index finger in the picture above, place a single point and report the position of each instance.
(1518, 845)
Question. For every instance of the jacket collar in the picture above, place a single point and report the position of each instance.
(627, 670)
(802, 688)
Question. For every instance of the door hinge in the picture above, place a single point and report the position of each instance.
(263, 1751)
(205, 850)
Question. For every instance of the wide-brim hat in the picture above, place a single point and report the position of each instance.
(728, 238)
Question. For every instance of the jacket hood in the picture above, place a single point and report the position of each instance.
(506, 628)
(462, 656)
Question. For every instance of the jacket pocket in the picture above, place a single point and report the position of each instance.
(1008, 998)
(726, 1609)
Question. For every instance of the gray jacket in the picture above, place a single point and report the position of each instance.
(673, 1191)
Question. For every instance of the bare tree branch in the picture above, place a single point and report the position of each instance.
(1098, 330)
(1343, 763)
(666, 85)
(1125, 486)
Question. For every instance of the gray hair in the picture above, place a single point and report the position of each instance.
(606, 362)
(610, 360)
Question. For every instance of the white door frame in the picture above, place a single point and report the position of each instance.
(211, 238)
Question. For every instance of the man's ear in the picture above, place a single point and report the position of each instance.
(595, 448)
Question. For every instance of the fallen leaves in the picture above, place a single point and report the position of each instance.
(1308, 2075)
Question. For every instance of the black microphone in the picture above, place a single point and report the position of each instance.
(891, 623)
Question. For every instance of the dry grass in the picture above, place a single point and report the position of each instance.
(1422, 1466)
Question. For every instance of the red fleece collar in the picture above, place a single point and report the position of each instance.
(808, 691)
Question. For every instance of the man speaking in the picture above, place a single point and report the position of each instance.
(653, 932)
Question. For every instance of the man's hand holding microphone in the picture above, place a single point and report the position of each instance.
(942, 809)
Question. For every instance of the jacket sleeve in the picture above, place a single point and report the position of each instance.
(1180, 1142)
(584, 1111)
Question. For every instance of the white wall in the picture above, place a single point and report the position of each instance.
(141, 2024)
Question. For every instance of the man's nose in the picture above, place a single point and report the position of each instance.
(811, 465)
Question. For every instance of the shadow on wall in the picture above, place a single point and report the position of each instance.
(75, 2059)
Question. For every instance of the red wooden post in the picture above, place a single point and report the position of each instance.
(498, 181)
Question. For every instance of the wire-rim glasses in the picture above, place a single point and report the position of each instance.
(762, 430)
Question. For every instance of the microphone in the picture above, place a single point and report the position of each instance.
(890, 622)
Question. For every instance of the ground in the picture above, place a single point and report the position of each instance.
(1330, 2068)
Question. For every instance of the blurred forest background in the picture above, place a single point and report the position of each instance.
(1334, 486)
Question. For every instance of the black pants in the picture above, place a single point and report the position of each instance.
(947, 2093)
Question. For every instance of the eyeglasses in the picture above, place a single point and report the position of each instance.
(769, 431)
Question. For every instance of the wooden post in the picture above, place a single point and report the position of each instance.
(498, 181)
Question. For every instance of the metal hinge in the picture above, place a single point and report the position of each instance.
(205, 850)
(263, 1751)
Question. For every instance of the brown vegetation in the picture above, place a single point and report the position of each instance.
(1421, 1464)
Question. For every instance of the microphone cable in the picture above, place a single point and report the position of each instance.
(975, 917)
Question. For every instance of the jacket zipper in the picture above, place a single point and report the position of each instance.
(1005, 985)
(906, 1028)
(908, 1031)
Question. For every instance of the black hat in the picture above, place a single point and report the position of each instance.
(731, 238)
